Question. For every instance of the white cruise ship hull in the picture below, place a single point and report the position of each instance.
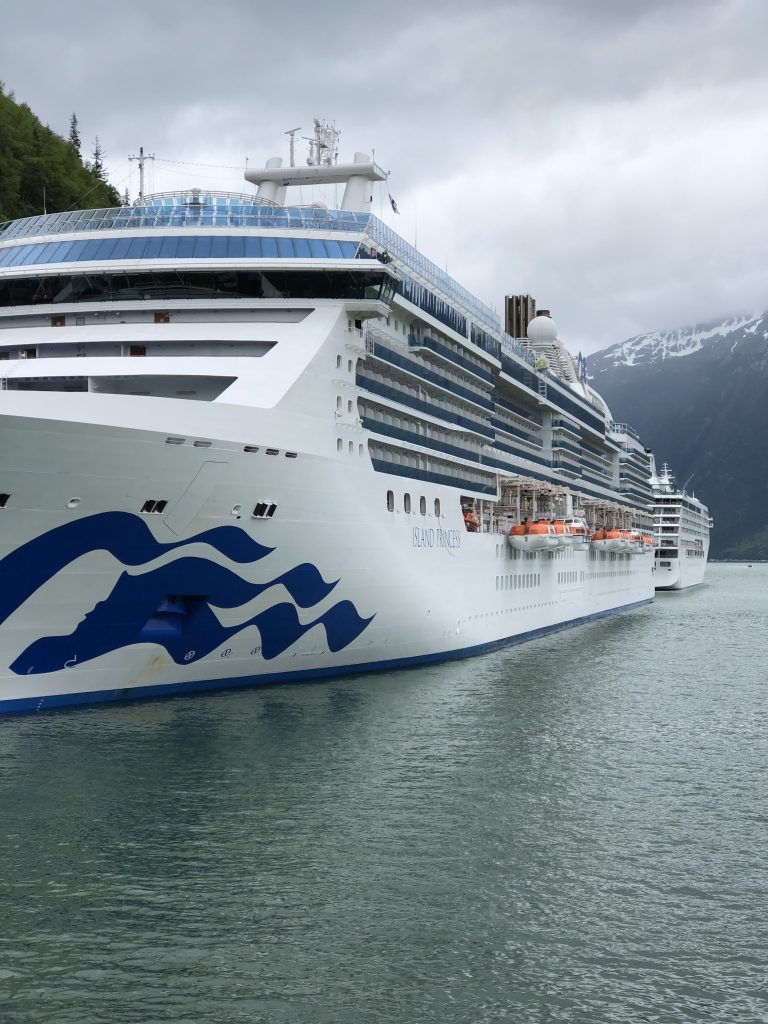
(681, 573)
(101, 603)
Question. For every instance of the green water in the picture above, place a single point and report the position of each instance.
(571, 830)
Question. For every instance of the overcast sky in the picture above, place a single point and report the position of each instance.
(609, 157)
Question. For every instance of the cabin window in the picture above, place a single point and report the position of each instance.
(162, 317)
(338, 362)
(406, 503)
(339, 444)
(360, 450)
(349, 366)
(390, 501)
(137, 350)
(349, 406)
(437, 507)
(423, 505)
(351, 447)
(338, 403)
(57, 321)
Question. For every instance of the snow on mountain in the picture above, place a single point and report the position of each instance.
(656, 346)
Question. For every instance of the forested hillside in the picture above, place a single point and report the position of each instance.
(41, 170)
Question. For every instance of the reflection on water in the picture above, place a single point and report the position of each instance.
(570, 830)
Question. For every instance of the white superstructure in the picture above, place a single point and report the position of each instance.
(681, 525)
(248, 442)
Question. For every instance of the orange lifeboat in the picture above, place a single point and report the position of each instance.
(636, 542)
(563, 534)
(532, 536)
(600, 540)
(614, 540)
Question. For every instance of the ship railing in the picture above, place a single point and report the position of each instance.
(622, 428)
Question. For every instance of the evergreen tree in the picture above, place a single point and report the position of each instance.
(97, 164)
(126, 198)
(74, 134)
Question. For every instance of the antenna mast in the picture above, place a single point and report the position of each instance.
(292, 150)
(324, 145)
(142, 158)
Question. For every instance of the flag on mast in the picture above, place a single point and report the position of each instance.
(393, 204)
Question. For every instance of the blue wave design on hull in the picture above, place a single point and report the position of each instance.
(170, 605)
(122, 534)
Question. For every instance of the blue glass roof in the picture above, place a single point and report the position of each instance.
(187, 246)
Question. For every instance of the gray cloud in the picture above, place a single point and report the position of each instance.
(608, 157)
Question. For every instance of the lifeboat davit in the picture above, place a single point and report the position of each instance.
(533, 536)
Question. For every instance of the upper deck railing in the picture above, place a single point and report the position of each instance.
(622, 428)
(182, 209)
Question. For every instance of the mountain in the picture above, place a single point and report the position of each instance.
(697, 396)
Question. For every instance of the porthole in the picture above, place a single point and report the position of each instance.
(406, 503)
(437, 507)
(339, 444)
(338, 362)
(390, 501)
(72, 503)
(423, 505)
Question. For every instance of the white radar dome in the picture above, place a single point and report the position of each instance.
(542, 330)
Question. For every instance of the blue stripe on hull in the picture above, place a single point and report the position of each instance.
(24, 705)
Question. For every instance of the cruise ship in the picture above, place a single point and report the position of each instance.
(248, 441)
(681, 525)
